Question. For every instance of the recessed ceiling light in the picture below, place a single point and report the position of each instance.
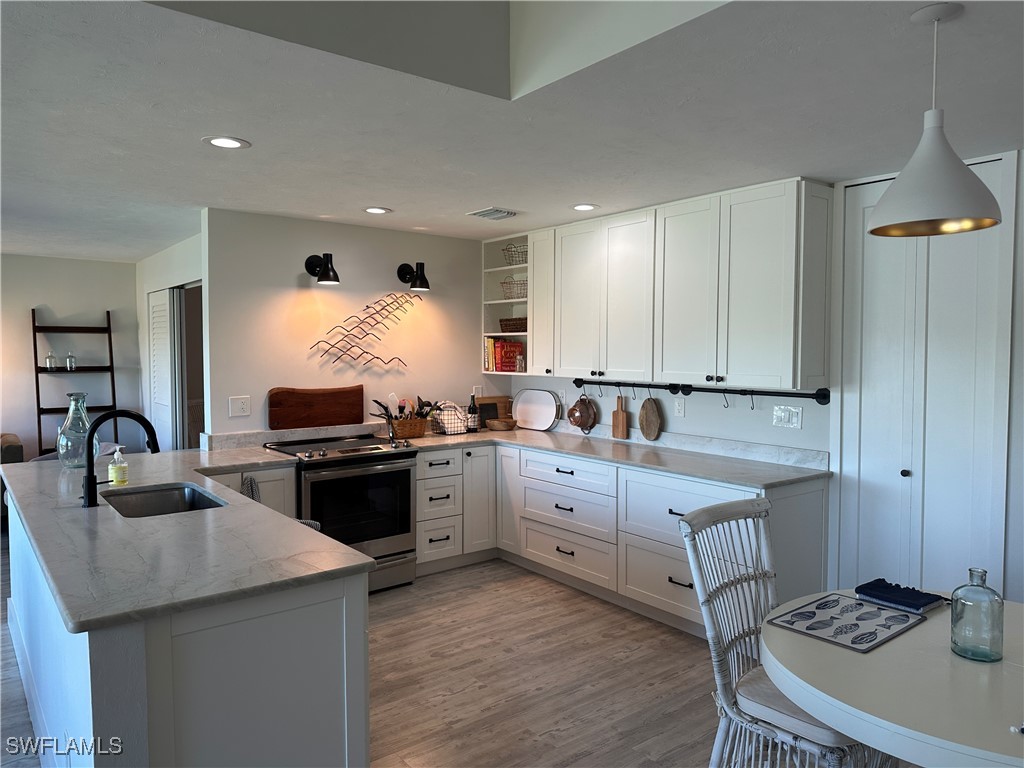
(377, 209)
(585, 207)
(227, 142)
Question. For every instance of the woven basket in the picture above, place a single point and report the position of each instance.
(512, 324)
(514, 289)
(406, 428)
(514, 254)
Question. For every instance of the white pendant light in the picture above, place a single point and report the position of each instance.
(936, 194)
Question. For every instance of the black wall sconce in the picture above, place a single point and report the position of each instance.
(322, 268)
(416, 278)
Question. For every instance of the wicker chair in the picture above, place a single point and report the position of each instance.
(729, 548)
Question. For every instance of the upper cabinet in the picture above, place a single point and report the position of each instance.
(604, 272)
(741, 287)
(541, 303)
(506, 296)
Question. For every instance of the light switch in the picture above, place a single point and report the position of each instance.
(790, 416)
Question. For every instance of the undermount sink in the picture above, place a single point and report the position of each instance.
(163, 499)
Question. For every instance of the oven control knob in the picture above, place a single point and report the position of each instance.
(323, 452)
(408, 444)
(308, 454)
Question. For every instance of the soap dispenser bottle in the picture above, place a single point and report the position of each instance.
(117, 472)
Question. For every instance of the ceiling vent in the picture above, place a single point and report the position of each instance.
(494, 214)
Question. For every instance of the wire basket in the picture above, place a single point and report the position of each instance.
(515, 254)
(512, 324)
(514, 289)
(449, 421)
(406, 428)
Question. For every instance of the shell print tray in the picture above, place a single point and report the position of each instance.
(847, 621)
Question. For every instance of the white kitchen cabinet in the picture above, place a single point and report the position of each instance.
(604, 273)
(741, 286)
(437, 539)
(566, 470)
(592, 514)
(441, 463)
(657, 574)
(581, 556)
(479, 524)
(922, 448)
(506, 295)
(438, 497)
(541, 303)
(276, 486)
(509, 498)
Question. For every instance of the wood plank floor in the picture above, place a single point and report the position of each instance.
(491, 665)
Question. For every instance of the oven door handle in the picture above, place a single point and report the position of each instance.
(315, 475)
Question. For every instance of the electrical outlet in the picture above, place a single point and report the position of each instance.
(240, 405)
(561, 395)
(790, 416)
(680, 406)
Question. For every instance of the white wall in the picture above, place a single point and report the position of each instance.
(66, 292)
(263, 312)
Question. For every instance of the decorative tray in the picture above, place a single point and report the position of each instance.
(847, 621)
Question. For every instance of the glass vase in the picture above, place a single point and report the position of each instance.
(71, 437)
(977, 619)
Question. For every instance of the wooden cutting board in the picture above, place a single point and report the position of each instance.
(294, 408)
(650, 419)
(620, 419)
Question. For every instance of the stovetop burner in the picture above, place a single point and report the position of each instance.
(336, 448)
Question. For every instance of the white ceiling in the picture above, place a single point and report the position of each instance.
(104, 105)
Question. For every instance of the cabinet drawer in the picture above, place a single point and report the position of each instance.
(438, 497)
(581, 556)
(569, 471)
(439, 538)
(650, 504)
(438, 463)
(581, 511)
(659, 575)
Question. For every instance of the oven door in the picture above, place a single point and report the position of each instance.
(369, 507)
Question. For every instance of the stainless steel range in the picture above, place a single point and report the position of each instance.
(362, 491)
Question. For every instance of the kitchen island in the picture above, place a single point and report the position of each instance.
(224, 636)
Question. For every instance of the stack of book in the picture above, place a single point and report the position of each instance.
(500, 355)
(881, 592)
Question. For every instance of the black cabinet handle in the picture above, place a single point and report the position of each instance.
(439, 498)
(600, 373)
(443, 538)
(469, 453)
(570, 553)
(547, 370)
(679, 583)
(904, 473)
(444, 463)
(677, 514)
(719, 378)
(593, 373)
(561, 471)
(564, 509)
(709, 377)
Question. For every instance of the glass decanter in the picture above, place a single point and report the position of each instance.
(977, 619)
(71, 437)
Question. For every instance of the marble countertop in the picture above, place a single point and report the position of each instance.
(757, 475)
(104, 569)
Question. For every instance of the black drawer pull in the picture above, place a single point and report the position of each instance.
(439, 498)
(561, 471)
(570, 553)
(679, 583)
(564, 509)
(439, 463)
(443, 538)
(677, 514)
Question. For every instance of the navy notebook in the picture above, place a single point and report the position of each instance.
(882, 592)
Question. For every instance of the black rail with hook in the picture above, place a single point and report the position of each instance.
(822, 395)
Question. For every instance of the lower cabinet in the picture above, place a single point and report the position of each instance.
(657, 574)
(586, 558)
(456, 494)
(510, 498)
(277, 487)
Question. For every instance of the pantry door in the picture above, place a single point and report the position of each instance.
(164, 377)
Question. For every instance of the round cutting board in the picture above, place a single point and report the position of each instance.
(650, 419)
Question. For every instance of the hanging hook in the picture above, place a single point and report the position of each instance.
(634, 392)
(600, 391)
(726, 400)
(751, 401)
(649, 394)
(619, 388)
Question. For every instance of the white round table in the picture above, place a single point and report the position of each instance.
(911, 697)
